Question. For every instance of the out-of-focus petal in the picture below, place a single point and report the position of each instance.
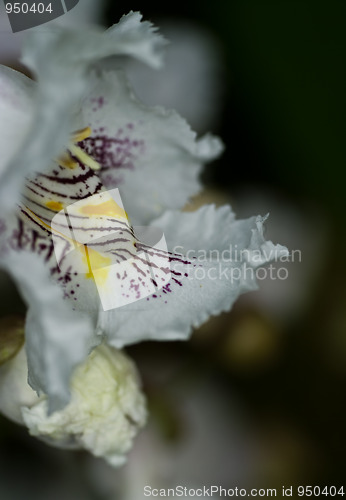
(16, 112)
(151, 154)
(129, 37)
(191, 80)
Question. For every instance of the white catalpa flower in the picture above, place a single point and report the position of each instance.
(67, 142)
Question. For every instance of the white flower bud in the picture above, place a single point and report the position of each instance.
(106, 410)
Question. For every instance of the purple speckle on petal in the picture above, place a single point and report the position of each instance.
(98, 103)
(114, 153)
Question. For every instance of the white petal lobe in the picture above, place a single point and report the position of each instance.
(150, 154)
(212, 259)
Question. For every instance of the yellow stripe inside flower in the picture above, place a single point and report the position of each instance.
(98, 265)
(68, 161)
(56, 206)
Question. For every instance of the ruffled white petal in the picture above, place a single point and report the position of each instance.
(61, 60)
(57, 338)
(150, 154)
(138, 39)
(129, 37)
(204, 280)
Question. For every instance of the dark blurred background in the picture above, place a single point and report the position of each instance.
(265, 384)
